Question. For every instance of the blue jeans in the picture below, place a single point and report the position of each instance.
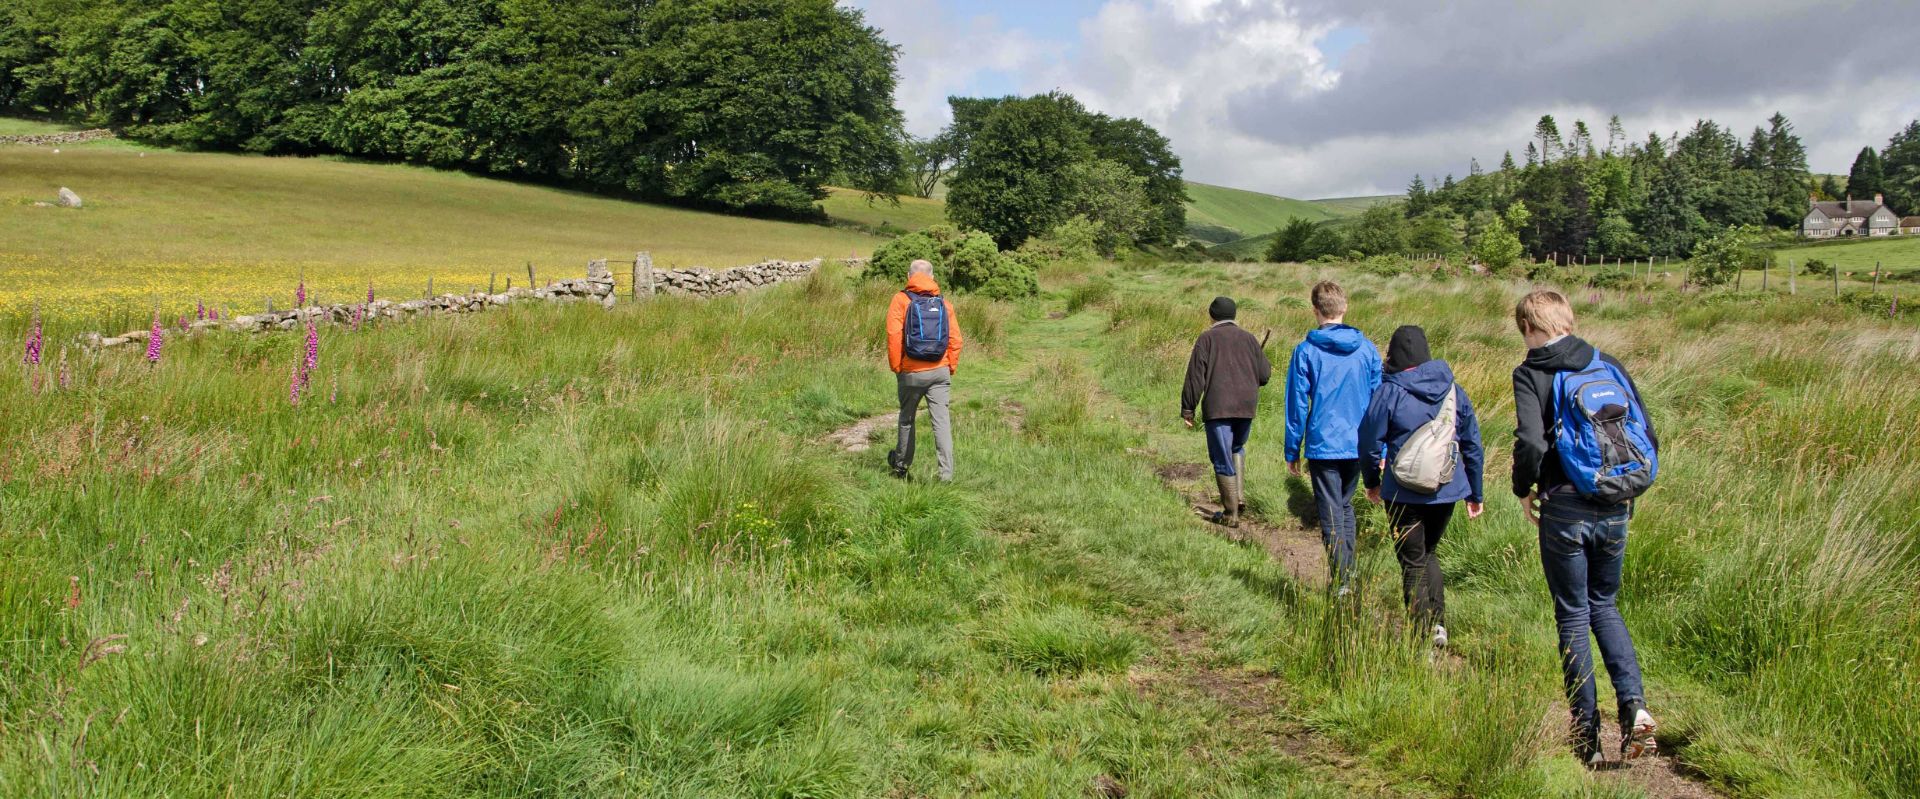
(1582, 547)
(1334, 482)
(1225, 439)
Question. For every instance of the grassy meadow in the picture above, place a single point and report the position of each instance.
(1895, 254)
(573, 552)
(172, 228)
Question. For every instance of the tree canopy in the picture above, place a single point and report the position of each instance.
(743, 105)
(1027, 164)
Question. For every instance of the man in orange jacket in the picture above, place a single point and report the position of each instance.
(923, 348)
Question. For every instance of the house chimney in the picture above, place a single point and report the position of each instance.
(1879, 200)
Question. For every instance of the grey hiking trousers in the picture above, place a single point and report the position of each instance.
(936, 385)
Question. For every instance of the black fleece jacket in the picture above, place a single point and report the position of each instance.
(1535, 463)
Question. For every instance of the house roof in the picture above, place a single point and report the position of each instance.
(1912, 221)
(1847, 208)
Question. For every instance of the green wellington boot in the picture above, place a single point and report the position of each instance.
(1229, 514)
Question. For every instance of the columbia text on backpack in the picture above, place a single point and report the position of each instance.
(926, 327)
(1600, 431)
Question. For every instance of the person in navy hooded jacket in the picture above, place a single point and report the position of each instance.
(1409, 398)
(1329, 382)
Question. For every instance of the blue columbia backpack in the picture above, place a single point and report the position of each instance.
(1600, 429)
(926, 327)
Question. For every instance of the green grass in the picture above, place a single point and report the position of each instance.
(907, 215)
(1894, 253)
(565, 551)
(1220, 214)
(177, 227)
(10, 126)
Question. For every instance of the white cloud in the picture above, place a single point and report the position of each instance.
(1249, 100)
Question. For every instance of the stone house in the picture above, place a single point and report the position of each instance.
(1849, 218)
(1910, 226)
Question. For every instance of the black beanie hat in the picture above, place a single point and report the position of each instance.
(1222, 308)
(1407, 349)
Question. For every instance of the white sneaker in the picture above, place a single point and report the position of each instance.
(1637, 740)
(1439, 637)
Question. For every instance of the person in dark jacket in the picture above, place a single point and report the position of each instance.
(1409, 398)
(1224, 376)
(1329, 380)
(1583, 543)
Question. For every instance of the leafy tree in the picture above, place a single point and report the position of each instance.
(1146, 153)
(1547, 133)
(1417, 200)
(1291, 244)
(1615, 236)
(1113, 198)
(1498, 246)
(1379, 230)
(1722, 256)
(1830, 188)
(1435, 232)
(1787, 175)
(1019, 170)
(931, 161)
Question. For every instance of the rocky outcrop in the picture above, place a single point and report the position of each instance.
(53, 139)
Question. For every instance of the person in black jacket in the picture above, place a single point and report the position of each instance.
(1224, 376)
(1583, 543)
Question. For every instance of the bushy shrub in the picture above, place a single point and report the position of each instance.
(961, 262)
(1076, 239)
(1817, 267)
(1612, 279)
(1386, 265)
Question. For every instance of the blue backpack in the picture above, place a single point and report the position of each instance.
(926, 327)
(1600, 429)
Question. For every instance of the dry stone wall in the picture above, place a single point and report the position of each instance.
(54, 139)
(597, 287)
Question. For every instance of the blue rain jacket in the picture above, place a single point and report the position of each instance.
(1329, 383)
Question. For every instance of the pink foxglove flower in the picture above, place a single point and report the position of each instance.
(154, 339)
(34, 342)
(313, 352)
(359, 315)
(185, 326)
(300, 295)
(369, 292)
(66, 374)
(293, 389)
(201, 312)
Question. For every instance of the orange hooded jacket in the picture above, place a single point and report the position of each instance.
(897, 330)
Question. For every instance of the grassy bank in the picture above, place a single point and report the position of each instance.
(564, 551)
(173, 228)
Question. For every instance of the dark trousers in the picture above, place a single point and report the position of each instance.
(1582, 548)
(1225, 439)
(1334, 482)
(1417, 530)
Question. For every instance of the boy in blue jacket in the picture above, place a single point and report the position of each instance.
(1412, 395)
(1329, 384)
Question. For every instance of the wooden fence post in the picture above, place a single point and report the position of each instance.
(492, 276)
(1836, 281)
(1876, 278)
(1793, 284)
(1763, 273)
(429, 285)
(531, 283)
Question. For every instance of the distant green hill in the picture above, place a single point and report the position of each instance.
(1351, 206)
(1218, 214)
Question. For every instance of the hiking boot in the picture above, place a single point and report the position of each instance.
(1636, 731)
(1229, 514)
(1240, 482)
(1586, 748)
(893, 462)
(1439, 637)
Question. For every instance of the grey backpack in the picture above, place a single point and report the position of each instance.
(1428, 460)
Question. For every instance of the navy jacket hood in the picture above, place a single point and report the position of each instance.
(1428, 381)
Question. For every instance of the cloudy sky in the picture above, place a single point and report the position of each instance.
(1318, 98)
